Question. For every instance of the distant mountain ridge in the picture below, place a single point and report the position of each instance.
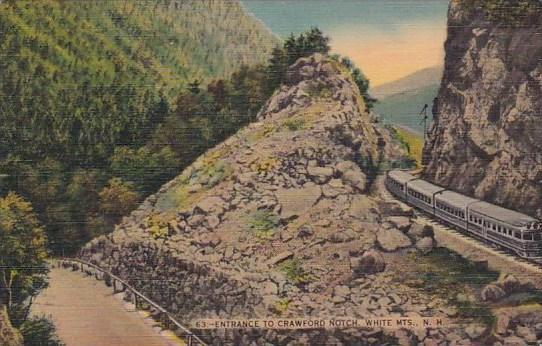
(414, 81)
(401, 101)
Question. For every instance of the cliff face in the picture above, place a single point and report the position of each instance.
(487, 139)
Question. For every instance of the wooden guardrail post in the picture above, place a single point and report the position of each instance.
(190, 342)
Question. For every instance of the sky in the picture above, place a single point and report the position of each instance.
(387, 39)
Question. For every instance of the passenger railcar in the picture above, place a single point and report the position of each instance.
(510, 229)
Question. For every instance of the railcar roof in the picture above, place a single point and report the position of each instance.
(424, 187)
(505, 215)
(455, 199)
(401, 176)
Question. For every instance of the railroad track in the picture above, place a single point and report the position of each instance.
(490, 249)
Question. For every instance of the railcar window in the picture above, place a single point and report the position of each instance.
(537, 237)
(517, 235)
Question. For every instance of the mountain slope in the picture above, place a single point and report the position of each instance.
(401, 101)
(279, 222)
(87, 71)
(486, 142)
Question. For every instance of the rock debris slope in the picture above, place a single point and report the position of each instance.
(486, 141)
(279, 221)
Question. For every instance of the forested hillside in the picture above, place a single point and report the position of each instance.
(78, 77)
(85, 85)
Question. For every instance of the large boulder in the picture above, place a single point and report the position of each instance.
(371, 262)
(425, 245)
(213, 204)
(392, 239)
(343, 236)
(321, 175)
(355, 178)
(418, 231)
(509, 283)
(492, 293)
(401, 222)
(295, 202)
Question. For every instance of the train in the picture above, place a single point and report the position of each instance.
(505, 228)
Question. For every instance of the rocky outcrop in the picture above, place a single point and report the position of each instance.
(486, 139)
(280, 221)
(9, 336)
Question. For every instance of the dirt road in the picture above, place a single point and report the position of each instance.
(86, 313)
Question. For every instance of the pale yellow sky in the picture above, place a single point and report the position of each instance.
(385, 58)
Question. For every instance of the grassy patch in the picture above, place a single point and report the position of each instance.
(444, 269)
(447, 274)
(294, 124)
(294, 272)
(263, 223)
(412, 142)
(264, 165)
(156, 226)
(209, 173)
(261, 133)
(282, 306)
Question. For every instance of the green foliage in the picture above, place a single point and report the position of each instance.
(413, 143)
(263, 223)
(22, 256)
(457, 271)
(467, 309)
(40, 331)
(158, 229)
(306, 44)
(294, 124)
(91, 92)
(294, 48)
(145, 169)
(118, 198)
(361, 81)
(97, 68)
(294, 272)
(282, 306)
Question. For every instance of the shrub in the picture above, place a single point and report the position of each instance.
(294, 272)
(282, 305)
(264, 165)
(39, 331)
(263, 223)
(294, 124)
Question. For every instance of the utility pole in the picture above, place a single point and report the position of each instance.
(424, 120)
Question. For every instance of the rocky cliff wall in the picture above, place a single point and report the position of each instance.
(487, 140)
